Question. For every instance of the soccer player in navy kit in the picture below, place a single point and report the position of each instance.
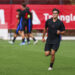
(23, 13)
(19, 26)
(29, 26)
(55, 29)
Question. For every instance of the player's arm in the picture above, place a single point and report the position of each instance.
(18, 17)
(62, 29)
(60, 32)
(44, 31)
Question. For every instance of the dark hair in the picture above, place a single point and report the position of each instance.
(56, 10)
(18, 10)
(24, 5)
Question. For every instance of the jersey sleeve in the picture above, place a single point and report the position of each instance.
(46, 24)
(62, 27)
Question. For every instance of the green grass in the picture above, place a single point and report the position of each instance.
(30, 59)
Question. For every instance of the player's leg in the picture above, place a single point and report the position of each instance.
(52, 59)
(47, 49)
(15, 35)
(31, 35)
(29, 30)
(28, 39)
(53, 51)
(47, 53)
(20, 33)
(23, 38)
(22, 28)
(14, 38)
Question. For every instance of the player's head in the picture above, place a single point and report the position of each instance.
(18, 11)
(55, 13)
(23, 6)
(27, 8)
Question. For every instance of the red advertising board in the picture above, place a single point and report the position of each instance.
(40, 14)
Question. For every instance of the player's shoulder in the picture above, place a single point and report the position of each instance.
(23, 11)
(60, 21)
(49, 20)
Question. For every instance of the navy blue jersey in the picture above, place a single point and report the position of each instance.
(53, 38)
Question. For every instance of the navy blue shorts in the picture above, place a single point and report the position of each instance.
(21, 26)
(55, 47)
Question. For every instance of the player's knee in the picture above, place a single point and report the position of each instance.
(47, 53)
(52, 54)
(15, 35)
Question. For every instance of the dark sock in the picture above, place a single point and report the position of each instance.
(51, 64)
(14, 39)
(23, 40)
(34, 39)
(28, 40)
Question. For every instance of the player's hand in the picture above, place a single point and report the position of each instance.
(17, 16)
(43, 40)
(58, 32)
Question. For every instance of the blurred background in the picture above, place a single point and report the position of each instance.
(38, 1)
(69, 32)
(30, 59)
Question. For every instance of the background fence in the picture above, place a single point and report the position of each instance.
(37, 1)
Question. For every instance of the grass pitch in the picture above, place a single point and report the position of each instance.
(30, 59)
